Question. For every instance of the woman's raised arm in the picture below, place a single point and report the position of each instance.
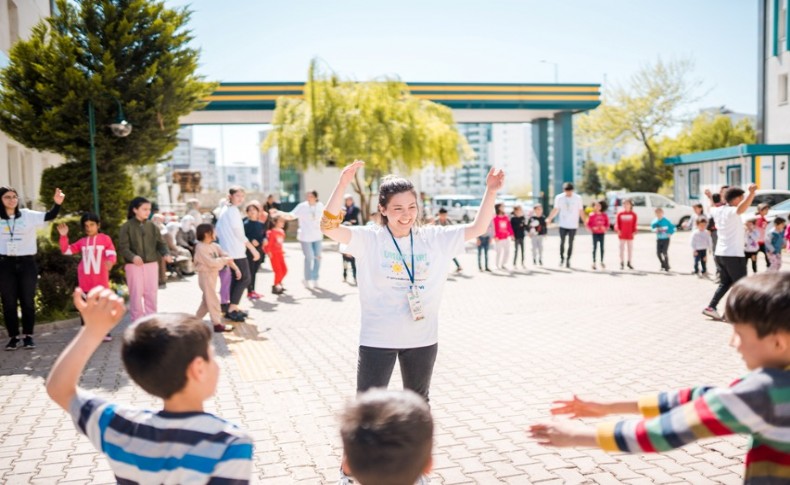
(331, 221)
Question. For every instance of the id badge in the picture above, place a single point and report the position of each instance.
(415, 304)
(12, 248)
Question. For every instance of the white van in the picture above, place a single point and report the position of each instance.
(460, 208)
(645, 205)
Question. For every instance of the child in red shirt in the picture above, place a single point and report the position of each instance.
(625, 226)
(274, 248)
(598, 223)
(97, 251)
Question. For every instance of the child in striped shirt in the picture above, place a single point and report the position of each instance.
(757, 405)
(177, 445)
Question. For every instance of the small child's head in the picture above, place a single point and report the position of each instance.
(176, 343)
(596, 207)
(278, 221)
(659, 212)
(442, 214)
(698, 208)
(759, 309)
(702, 224)
(779, 224)
(253, 210)
(204, 233)
(750, 225)
(90, 223)
(500, 209)
(628, 205)
(538, 210)
(387, 437)
(763, 208)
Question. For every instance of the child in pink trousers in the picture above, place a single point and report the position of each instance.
(97, 251)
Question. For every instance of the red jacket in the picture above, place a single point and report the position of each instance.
(598, 223)
(626, 225)
(502, 228)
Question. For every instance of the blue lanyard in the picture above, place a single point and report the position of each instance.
(411, 237)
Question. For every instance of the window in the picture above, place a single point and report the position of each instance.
(231, 178)
(782, 85)
(694, 184)
(782, 24)
(639, 200)
(734, 175)
(657, 201)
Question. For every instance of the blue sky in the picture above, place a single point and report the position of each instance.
(601, 41)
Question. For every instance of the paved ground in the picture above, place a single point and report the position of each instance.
(509, 345)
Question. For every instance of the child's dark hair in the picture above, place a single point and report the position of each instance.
(3, 214)
(135, 204)
(716, 198)
(202, 230)
(762, 206)
(702, 220)
(158, 349)
(498, 208)
(390, 186)
(762, 301)
(698, 206)
(89, 216)
(387, 437)
(442, 211)
(733, 193)
(779, 221)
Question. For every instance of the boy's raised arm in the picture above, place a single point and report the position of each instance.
(102, 310)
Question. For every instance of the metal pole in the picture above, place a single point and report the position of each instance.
(94, 174)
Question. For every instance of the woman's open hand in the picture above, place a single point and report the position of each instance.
(347, 175)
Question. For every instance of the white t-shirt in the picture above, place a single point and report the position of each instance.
(384, 283)
(230, 232)
(730, 231)
(309, 217)
(569, 210)
(24, 230)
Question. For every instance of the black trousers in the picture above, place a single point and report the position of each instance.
(597, 242)
(731, 269)
(662, 250)
(237, 287)
(700, 259)
(18, 280)
(349, 261)
(570, 234)
(375, 365)
(765, 254)
(254, 267)
(519, 245)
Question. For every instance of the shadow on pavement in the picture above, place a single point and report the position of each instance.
(326, 294)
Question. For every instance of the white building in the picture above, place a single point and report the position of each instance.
(21, 167)
(188, 157)
(470, 177)
(270, 166)
(511, 150)
(238, 173)
(773, 118)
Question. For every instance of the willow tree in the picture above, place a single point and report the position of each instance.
(379, 122)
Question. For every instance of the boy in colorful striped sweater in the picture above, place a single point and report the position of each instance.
(757, 405)
(170, 356)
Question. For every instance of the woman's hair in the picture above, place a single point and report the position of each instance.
(390, 186)
(234, 189)
(314, 192)
(135, 204)
(89, 216)
(498, 209)
(4, 190)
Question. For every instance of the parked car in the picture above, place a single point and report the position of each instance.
(781, 209)
(460, 208)
(645, 205)
(772, 197)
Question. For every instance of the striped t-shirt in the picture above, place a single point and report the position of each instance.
(161, 447)
(757, 405)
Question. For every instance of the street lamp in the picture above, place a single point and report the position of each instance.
(121, 128)
(556, 70)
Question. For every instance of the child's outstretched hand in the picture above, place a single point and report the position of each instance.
(63, 229)
(563, 433)
(102, 309)
(579, 408)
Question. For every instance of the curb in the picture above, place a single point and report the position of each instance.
(49, 326)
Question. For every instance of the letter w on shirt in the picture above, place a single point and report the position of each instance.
(91, 259)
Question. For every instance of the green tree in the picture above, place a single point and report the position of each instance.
(136, 51)
(591, 180)
(643, 111)
(708, 132)
(339, 121)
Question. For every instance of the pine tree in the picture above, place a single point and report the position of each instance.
(135, 52)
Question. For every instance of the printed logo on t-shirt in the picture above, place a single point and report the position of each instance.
(394, 269)
(91, 259)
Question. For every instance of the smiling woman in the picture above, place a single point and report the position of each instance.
(401, 274)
